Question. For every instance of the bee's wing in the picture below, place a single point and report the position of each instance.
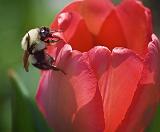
(25, 60)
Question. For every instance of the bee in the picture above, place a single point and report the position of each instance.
(34, 44)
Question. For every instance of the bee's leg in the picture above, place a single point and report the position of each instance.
(57, 69)
(53, 59)
(52, 41)
(49, 59)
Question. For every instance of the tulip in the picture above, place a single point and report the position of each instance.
(111, 60)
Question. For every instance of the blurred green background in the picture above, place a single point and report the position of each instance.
(16, 18)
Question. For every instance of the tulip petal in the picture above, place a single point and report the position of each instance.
(81, 20)
(146, 97)
(94, 12)
(118, 73)
(111, 34)
(74, 30)
(90, 118)
(100, 59)
(137, 25)
(71, 102)
(128, 25)
(118, 86)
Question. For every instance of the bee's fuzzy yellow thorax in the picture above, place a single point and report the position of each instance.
(34, 37)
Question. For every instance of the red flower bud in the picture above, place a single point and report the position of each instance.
(111, 87)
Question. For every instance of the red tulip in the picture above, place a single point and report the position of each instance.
(107, 88)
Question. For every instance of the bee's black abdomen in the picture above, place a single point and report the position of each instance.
(43, 60)
(43, 66)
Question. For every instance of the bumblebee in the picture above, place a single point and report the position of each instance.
(34, 44)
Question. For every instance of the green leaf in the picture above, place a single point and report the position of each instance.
(155, 124)
(25, 114)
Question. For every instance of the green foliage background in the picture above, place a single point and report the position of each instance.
(16, 18)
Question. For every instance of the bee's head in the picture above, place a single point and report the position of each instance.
(44, 32)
